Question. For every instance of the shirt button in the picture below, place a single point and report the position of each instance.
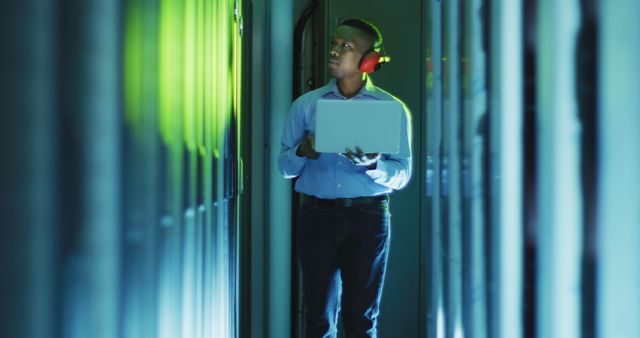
(339, 185)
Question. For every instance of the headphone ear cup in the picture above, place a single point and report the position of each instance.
(370, 62)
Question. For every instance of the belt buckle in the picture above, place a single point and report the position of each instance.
(348, 202)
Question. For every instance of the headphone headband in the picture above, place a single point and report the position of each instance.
(373, 59)
(367, 28)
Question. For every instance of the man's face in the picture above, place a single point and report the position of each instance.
(345, 50)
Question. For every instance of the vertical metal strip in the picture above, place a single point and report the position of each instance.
(199, 217)
(560, 226)
(506, 153)
(433, 176)
(92, 35)
(279, 200)
(258, 26)
(475, 304)
(425, 198)
(453, 154)
(619, 215)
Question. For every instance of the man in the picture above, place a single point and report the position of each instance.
(344, 221)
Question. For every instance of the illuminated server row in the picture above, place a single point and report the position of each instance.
(124, 196)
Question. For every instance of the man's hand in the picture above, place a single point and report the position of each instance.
(307, 148)
(361, 158)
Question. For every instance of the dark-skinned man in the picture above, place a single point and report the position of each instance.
(344, 219)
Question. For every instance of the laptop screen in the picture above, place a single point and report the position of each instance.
(373, 125)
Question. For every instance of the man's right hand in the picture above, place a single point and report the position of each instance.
(306, 148)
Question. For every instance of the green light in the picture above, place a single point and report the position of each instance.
(189, 69)
(171, 77)
(182, 71)
(133, 86)
(237, 67)
(199, 70)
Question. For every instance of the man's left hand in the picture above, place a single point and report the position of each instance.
(361, 158)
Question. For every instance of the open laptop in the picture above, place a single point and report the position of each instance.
(373, 125)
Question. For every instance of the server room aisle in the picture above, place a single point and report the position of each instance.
(140, 194)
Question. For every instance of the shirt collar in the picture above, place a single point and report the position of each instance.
(368, 89)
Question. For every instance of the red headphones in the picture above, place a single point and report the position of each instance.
(372, 61)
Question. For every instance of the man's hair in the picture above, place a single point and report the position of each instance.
(366, 27)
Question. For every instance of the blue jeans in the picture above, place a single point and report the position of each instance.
(343, 252)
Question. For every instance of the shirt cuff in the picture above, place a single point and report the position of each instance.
(295, 159)
(380, 172)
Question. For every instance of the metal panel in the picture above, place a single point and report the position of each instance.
(560, 225)
(279, 197)
(432, 128)
(452, 163)
(258, 181)
(506, 159)
(28, 135)
(475, 110)
(618, 213)
(89, 106)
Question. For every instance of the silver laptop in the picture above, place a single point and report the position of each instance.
(372, 125)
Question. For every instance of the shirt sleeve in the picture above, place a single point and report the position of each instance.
(394, 170)
(290, 164)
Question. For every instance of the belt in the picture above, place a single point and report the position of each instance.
(343, 202)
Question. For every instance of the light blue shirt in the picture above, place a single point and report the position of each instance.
(331, 175)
